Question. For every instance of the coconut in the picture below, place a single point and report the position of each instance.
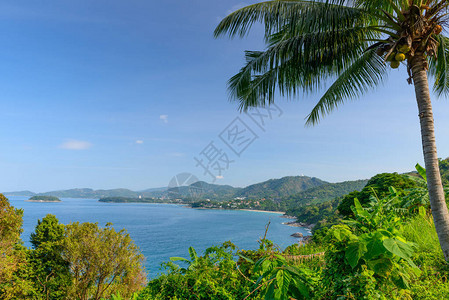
(394, 64)
(438, 29)
(404, 48)
(400, 57)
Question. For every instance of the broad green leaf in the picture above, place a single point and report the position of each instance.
(337, 234)
(421, 171)
(398, 248)
(179, 258)
(422, 211)
(380, 266)
(354, 252)
(285, 287)
(280, 257)
(402, 281)
(392, 190)
(269, 295)
(259, 264)
(375, 246)
(360, 210)
(193, 255)
(245, 258)
(299, 289)
(292, 270)
(280, 278)
(266, 265)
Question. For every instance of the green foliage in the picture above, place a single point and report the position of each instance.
(50, 272)
(279, 279)
(277, 188)
(47, 230)
(312, 214)
(212, 276)
(101, 261)
(76, 261)
(369, 254)
(444, 169)
(12, 255)
(323, 193)
(432, 284)
(378, 185)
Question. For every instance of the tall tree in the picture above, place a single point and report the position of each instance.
(102, 262)
(350, 42)
(10, 230)
(14, 271)
(50, 272)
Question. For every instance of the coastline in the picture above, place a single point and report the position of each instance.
(264, 211)
(43, 201)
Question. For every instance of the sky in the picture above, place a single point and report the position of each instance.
(108, 94)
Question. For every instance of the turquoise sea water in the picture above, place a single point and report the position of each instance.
(164, 230)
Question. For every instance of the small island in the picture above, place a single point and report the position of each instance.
(44, 199)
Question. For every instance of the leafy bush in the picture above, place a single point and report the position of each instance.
(211, 276)
(378, 185)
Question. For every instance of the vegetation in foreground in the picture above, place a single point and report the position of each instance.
(74, 261)
(348, 43)
(386, 248)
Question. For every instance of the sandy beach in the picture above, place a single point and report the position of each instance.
(265, 211)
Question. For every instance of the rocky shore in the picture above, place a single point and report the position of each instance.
(299, 224)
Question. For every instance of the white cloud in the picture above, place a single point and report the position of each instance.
(139, 142)
(164, 118)
(219, 177)
(75, 145)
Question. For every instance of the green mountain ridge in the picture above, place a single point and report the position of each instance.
(325, 192)
(294, 190)
(282, 187)
(273, 189)
(20, 193)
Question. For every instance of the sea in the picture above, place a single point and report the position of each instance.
(164, 230)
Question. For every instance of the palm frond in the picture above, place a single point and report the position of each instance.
(295, 63)
(364, 74)
(390, 6)
(316, 15)
(259, 90)
(439, 66)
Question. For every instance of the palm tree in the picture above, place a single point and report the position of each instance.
(353, 43)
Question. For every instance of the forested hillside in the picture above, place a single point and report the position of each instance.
(277, 188)
(323, 193)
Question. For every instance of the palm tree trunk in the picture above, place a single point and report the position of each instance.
(434, 185)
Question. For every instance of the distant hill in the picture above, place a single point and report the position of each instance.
(154, 192)
(270, 189)
(20, 193)
(298, 190)
(324, 192)
(204, 190)
(90, 193)
(277, 188)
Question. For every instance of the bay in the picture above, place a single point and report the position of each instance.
(164, 230)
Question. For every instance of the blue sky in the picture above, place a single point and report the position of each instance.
(107, 94)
